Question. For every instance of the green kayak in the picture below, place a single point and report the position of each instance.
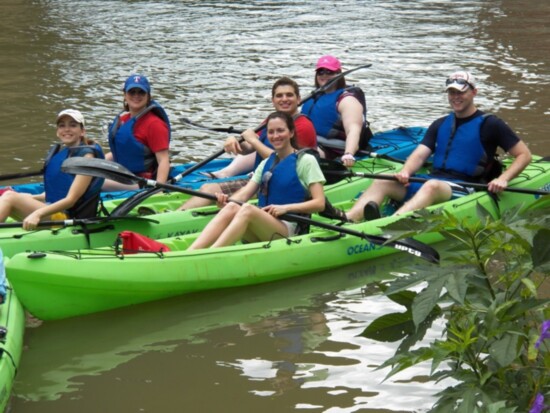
(54, 285)
(103, 232)
(12, 326)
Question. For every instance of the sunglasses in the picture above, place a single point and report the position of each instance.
(322, 72)
(137, 91)
(460, 82)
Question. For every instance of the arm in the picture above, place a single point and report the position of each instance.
(163, 170)
(414, 163)
(522, 157)
(253, 140)
(351, 111)
(76, 191)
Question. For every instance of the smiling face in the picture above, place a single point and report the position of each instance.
(285, 99)
(69, 131)
(279, 134)
(136, 99)
(462, 103)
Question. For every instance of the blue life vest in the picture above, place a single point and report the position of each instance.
(126, 149)
(327, 120)
(280, 182)
(324, 115)
(459, 151)
(58, 183)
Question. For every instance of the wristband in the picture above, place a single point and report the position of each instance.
(348, 157)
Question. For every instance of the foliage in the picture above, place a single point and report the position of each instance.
(494, 343)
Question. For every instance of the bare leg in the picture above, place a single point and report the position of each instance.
(17, 205)
(195, 201)
(240, 165)
(253, 224)
(213, 230)
(432, 192)
(376, 192)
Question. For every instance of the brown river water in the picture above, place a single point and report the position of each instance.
(288, 346)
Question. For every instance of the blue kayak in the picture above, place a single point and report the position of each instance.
(393, 144)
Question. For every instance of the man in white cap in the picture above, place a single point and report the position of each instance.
(463, 145)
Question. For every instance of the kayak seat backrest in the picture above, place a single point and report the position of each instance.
(133, 243)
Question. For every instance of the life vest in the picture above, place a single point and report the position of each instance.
(58, 183)
(459, 151)
(280, 182)
(126, 149)
(324, 114)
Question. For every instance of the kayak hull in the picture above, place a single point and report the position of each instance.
(54, 285)
(12, 326)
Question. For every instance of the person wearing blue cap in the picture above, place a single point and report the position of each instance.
(139, 136)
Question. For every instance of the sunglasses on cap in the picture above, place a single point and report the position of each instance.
(460, 82)
(321, 72)
(137, 91)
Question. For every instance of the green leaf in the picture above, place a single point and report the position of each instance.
(390, 327)
(426, 300)
(541, 250)
(457, 287)
(530, 285)
(505, 350)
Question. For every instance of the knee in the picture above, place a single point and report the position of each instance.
(246, 211)
(210, 188)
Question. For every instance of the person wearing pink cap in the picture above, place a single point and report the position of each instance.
(464, 146)
(65, 196)
(139, 136)
(339, 115)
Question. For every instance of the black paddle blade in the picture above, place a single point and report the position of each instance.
(99, 168)
(334, 171)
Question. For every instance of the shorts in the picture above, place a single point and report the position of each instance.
(291, 227)
(232, 186)
(458, 190)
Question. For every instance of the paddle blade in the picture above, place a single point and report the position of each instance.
(100, 168)
(334, 171)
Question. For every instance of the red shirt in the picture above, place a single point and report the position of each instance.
(151, 131)
(306, 136)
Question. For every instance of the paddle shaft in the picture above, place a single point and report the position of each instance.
(312, 95)
(111, 170)
(74, 222)
(20, 175)
(423, 180)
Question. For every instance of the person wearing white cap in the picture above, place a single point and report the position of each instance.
(464, 145)
(65, 196)
(139, 136)
(339, 115)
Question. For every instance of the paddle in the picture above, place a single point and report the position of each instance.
(319, 91)
(74, 222)
(20, 175)
(111, 170)
(347, 174)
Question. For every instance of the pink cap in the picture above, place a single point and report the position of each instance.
(328, 62)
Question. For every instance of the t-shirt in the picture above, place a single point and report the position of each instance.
(150, 130)
(306, 137)
(307, 168)
(494, 132)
